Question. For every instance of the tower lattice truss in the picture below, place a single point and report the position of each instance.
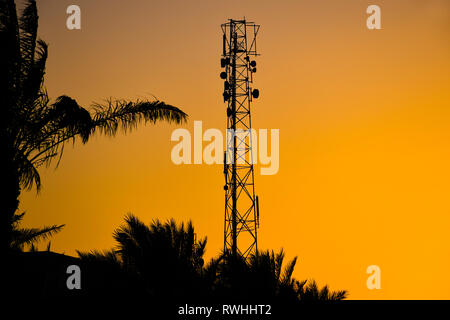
(241, 204)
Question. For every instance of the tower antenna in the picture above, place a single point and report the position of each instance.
(241, 204)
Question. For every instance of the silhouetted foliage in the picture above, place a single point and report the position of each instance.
(262, 276)
(33, 131)
(311, 292)
(167, 258)
(20, 237)
(168, 262)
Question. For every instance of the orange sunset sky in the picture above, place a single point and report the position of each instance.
(364, 123)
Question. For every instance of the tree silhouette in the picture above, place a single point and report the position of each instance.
(20, 237)
(165, 261)
(166, 257)
(311, 292)
(262, 276)
(33, 131)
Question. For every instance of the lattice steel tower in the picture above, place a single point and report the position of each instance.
(241, 204)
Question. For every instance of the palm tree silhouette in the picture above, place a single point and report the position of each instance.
(262, 276)
(166, 257)
(165, 261)
(20, 237)
(311, 292)
(33, 131)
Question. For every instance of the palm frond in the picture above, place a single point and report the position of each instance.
(46, 134)
(324, 293)
(28, 24)
(28, 236)
(126, 115)
(310, 291)
(17, 218)
(288, 271)
(278, 263)
(33, 87)
(338, 295)
(28, 173)
(106, 256)
(11, 59)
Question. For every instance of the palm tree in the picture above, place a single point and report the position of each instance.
(165, 260)
(271, 277)
(262, 276)
(312, 292)
(166, 257)
(103, 266)
(33, 131)
(21, 237)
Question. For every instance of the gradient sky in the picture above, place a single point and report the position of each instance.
(364, 132)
